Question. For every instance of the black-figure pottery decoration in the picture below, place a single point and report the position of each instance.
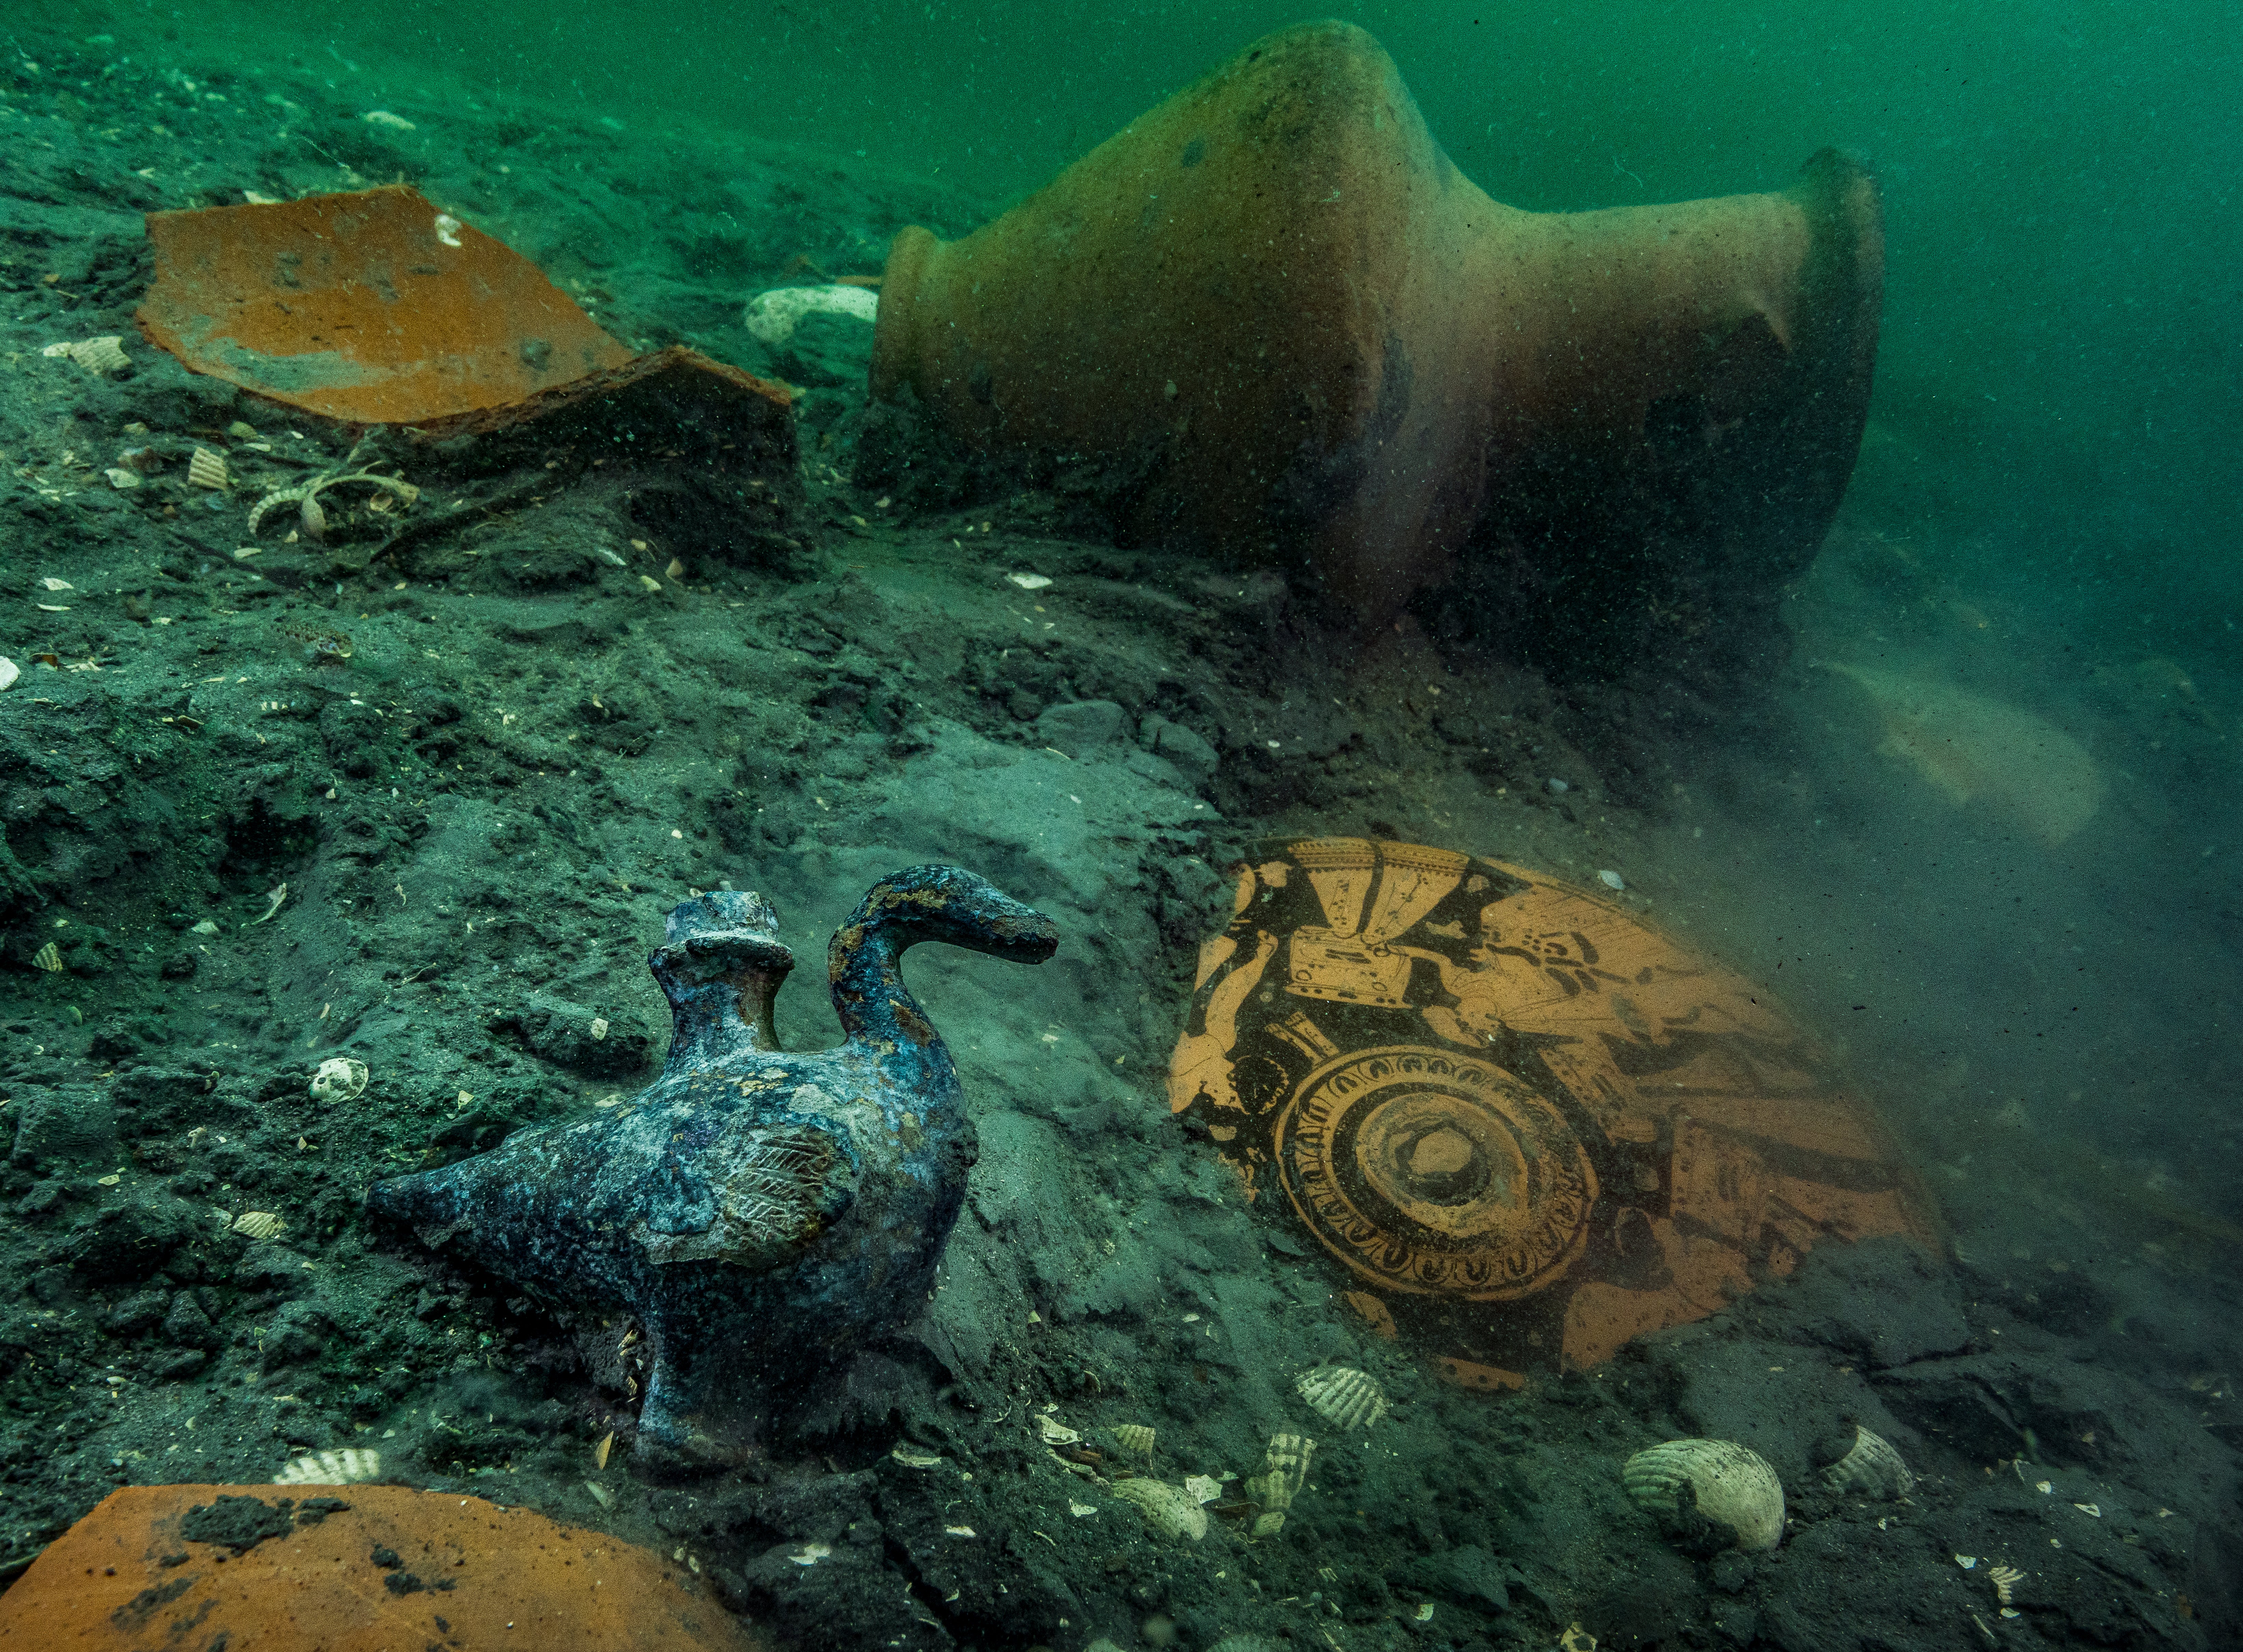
(758, 1214)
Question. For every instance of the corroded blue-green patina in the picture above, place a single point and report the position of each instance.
(759, 1213)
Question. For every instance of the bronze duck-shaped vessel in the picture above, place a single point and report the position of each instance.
(759, 1214)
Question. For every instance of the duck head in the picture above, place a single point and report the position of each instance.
(922, 904)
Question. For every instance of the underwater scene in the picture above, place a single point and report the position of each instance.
(1550, 701)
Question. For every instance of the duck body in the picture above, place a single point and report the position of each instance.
(759, 1213)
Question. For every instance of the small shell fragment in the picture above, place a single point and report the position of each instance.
(1871, 1469)
(50, 583)
(600, 1451)
(1612, 880)
(771, 316)
(1343, 1396)
(99, 356)
(122, 477)
(1170, 1510)
(912, 1456)
(1728, 1485)
(447, 229)
(383, 117)
(349, 1467)
(207, 469)
(599, 1028)
(1135, 1438)
(49, 958)
(1203, 1487)
(9, 671)
(339, 1078)
(1284, 1470)
(601, 1494)
(1029, 581)
(1053, 1432)
(259, 1224)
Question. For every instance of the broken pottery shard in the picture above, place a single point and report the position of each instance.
(1327, 344)
(297, 1574)
(376, 307)
(1477, 1205)
(350, 306)
(760, 1214)
(1974, 749)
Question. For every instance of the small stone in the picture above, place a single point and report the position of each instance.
(1612, 880)
(1556, 785)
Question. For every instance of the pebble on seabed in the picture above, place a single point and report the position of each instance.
(1612, 880)
(1556, 785)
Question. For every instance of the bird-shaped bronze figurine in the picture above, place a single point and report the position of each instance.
(759, 1214)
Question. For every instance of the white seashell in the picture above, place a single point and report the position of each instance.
(912, 1457)
(1135, 1438)
(259, 1224)
(340, 1078)
(1284, 1470)
(447, 229)
(599, 1028)
(772, 317)
(383, 117)
(98, 356)
(1053, 1432)
(1170, 1510)
(1612, 880)
(1342, 1396)
(9, 671)
(346, 1467)
(50, 583)
(1030, 582)
(207, 469)
(1731, 1485)
(1871, 1469)
(121, 478)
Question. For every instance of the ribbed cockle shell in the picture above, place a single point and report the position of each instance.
(1732, 1486)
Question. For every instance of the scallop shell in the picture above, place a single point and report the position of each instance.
(99, 356)
(49, 958)
(1342, 1396)
(339, 1078)
(1135, 1438)
(1284, 1470)
(1170, 1510)
(1733, 1486)
(1871, 1469)
(346, 1467)
(259, 1224)
(206, 469)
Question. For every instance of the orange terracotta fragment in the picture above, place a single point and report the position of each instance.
(378, 307)
(1526, 1122)
(466, 1573)
(1478, 1379)
(374, 307)
(1294, 331)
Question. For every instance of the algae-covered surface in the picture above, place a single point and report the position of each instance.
(422, 799)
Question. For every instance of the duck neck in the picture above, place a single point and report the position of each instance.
(877, 1010)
